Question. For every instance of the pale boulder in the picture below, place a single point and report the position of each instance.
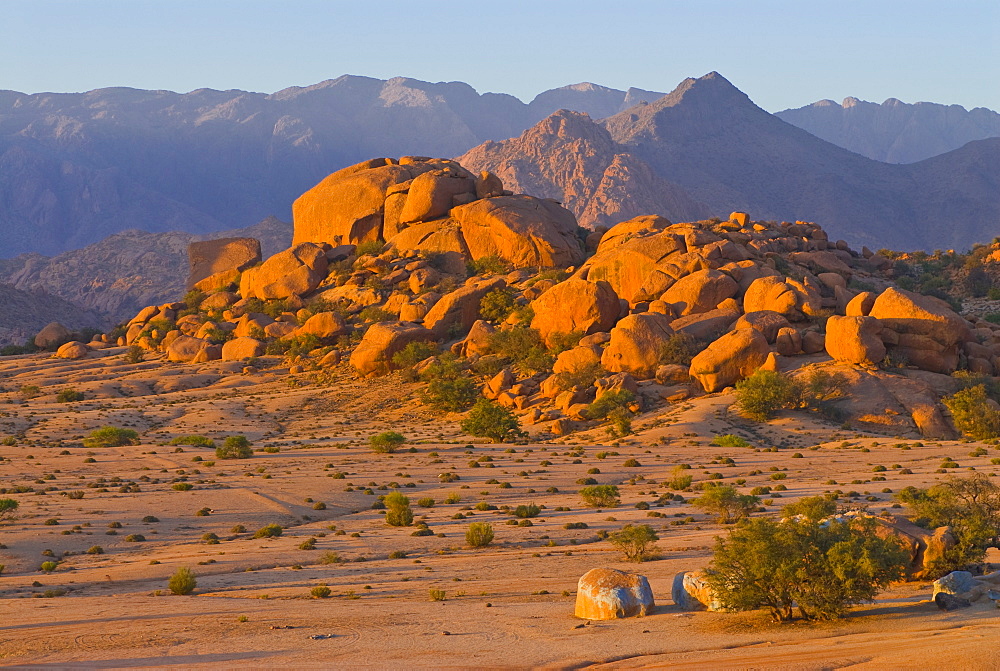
(238, 349)
(73, 350)
(635, 345)
(52, 336)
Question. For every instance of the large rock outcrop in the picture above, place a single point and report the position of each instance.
(636, 345)
(575, 305)
(217, 263)
(731, 358)
(373, 356)
(923, 329)
(855, 340)
(293, 272)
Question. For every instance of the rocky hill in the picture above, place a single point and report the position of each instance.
(501, 295)
(714, 146)
(115, 277)
(894, 132)
(78, 167)
(570, 158)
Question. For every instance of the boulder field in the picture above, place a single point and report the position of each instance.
(397, 251)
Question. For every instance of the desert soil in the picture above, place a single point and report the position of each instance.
(507, 605)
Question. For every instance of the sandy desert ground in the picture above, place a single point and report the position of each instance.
(508, 605)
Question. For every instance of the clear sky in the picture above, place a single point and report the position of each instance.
(782, 53)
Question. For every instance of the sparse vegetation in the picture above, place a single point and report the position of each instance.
(398, 513)
(489, 419)
(972, 413)
(271, 530)
(600, 496)
(111, 436)
(727, 504)
(764, 393)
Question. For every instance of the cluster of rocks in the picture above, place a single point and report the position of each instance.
(758, 294)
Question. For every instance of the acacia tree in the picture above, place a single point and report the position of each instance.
(821, 569)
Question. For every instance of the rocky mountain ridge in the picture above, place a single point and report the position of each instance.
(894, 131)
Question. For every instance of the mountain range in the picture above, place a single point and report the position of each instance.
(894, 132)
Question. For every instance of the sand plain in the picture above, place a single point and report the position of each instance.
(507, 605)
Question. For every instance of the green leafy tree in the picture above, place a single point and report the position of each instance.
(823, 569)
(637, 543)
(386, 442)
(523, 347)
(234, 447)
(764, 393)
(111, 436)
(726, 503)
(398, 513)
(489, 419)
(970, 506)
(449, 386)
(7, 508)
(972, 413)
(600, 496)
(813, 508)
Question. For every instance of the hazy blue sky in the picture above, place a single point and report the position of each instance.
(782, 53)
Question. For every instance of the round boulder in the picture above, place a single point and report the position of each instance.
(608, 594)
(636, 343)
(575, 305)
(731, 358)
(855, 340)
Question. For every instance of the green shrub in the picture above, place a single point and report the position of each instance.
(111, 436)
(398, 513)
(69, 396)
(479, 534)
(48, 566)
(370, 248)
(194, 441)
(726, 503)
(730, 440)
(680, 348)
(436, 594)
(764, 393)
(182, 486)
(488, 265)
(970, 506)
(814, 508)
(523, 347)
(489, 419)
(386, 442)
(134, 354)
(414, 353)
(972, 414)
(637, 543)
(449, 387)
(320, 592)
(29, 390)
(269, 531)
(497, 305)
(7, 508)
(821, 569)
(183, 581)
(600, 496)
(525, 511)
(234, 447)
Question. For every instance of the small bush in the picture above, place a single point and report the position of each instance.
(764, 393)
(436, 594)
(320, 592)
(426, 502)
(370, 248)
(193, 441)
(269, 531)
(183, 581)
(69, 396)
(135, 538)
(386, 442)
(479, 534)
(111, 436)
(488, 265)
(398, 513)
(600, 496)
(497, 305)
(637, 543)
(95, 550)
(182, 486)
(525, 511)
(730, 440)
(235, 447)
(414, 353)
(449, 387)
(680, 348)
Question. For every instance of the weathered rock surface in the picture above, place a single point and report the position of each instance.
(731, 358)
(576, 305)
(636, 342)
(293, 272)
(52, 336)
(373, 356)
(608, 594)
(223, 255)
(690, 591)
(855, 340)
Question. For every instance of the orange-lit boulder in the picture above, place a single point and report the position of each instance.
(731, 358)
(636, 342)
(855, 340)
(575, 305)
(292, 272)
(373, 356)
(700, 291)
(608, 594)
